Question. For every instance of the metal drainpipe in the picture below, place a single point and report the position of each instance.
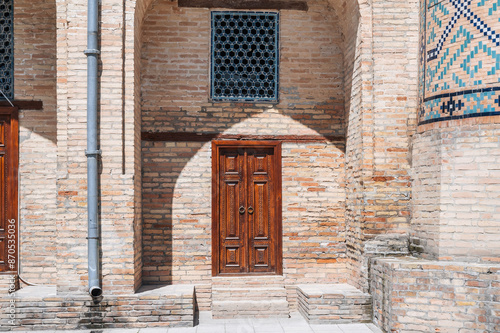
(92, 152)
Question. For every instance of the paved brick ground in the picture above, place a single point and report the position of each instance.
(295, 324)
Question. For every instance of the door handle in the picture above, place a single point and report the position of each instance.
(250, 210)
(242, 210)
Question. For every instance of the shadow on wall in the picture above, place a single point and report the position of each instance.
(178, 123)
(35, 72)
(176, 197)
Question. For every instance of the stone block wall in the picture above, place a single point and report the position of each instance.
(50, 65)
(426, 296)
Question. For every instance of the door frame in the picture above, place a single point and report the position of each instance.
(11, 137)
(216, 146)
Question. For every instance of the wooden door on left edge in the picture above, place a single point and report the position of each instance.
(9, 161)
(246, 201)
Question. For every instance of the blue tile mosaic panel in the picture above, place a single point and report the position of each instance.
(244, 62)
(460, 59)
(6, 49)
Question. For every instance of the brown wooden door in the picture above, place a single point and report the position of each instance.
(9, 148)
(246, 207)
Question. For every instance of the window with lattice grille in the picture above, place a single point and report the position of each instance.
(244, 62)
(6, 49)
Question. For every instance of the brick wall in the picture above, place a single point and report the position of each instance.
(395, 29)
(177, 175)
(355, 76)
(380, 122)
(425, 296)
(314, 248)
(39, 308)
(175, 67)
(177, 221)
(313, 213)
(456, 186)
(116, 140)
(455, 161)
(177, 212)
(320, 111)
(35, 72)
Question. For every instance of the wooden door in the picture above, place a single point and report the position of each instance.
(246, 233)
(9, 160)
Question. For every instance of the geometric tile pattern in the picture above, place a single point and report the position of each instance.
(459, 59)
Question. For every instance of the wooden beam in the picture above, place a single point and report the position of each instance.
(205, 137)
(246, 4)
(24, 105)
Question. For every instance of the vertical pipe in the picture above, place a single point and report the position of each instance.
(92, 152)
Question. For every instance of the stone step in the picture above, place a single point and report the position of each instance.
(250, 308)
(248, 281)
(257, 294)
(249, 296)
(333, 304)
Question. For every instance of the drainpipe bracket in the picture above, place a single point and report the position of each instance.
(91, 52)
(93, 153)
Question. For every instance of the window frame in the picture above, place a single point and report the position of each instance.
(253, 99)
(10, 95)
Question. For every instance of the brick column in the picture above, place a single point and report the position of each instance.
(456, 148)
(116, 139)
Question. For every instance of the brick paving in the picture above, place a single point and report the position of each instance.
(295, 324)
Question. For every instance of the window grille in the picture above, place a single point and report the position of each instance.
(6, 49)
(244, 62)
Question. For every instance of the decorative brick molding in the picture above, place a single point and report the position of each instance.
(459, 123)
(246, 4)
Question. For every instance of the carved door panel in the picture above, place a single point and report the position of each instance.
(232, 222)
(246, 208)
(9, 148)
